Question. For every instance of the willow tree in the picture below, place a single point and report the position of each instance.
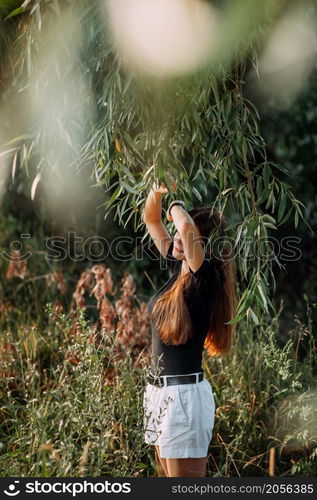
(198, 126)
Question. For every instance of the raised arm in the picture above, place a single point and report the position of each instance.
(152, 216)
(189, 234)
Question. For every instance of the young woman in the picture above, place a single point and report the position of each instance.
(187, 313)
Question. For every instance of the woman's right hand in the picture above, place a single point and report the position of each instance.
(159, 189)
(162, 188)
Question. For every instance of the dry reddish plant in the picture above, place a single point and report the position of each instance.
(58, 278)
(107, 316)
(109, 376)
(133, 324)
(104, 283)
(84, 283)
(129, 322)
(17, 266)
(75, 328)
(142, 334)
(48, 447)
(58, 307)
(73, 359)
(7, 359)
(6, 308)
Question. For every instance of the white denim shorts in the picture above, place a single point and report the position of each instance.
(179, 418)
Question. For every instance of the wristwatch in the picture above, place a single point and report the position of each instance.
(175, 202)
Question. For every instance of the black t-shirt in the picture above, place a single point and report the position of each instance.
(200, 299)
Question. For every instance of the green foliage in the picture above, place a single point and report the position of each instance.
(63, 392)
(55, 404)
(290, 134)
(65, 406)
(8, 7)
(199, 127)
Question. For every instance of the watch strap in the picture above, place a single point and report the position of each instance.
(175, 202)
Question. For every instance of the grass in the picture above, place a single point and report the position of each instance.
(71, 402)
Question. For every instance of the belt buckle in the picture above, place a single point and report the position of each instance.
(157, 379)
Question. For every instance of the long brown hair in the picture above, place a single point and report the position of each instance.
(170, 314)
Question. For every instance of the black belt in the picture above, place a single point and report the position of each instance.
(174, 379)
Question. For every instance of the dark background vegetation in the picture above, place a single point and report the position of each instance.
(53, 394)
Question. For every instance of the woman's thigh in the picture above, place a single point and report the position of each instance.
(186, 467)
(162, 460)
